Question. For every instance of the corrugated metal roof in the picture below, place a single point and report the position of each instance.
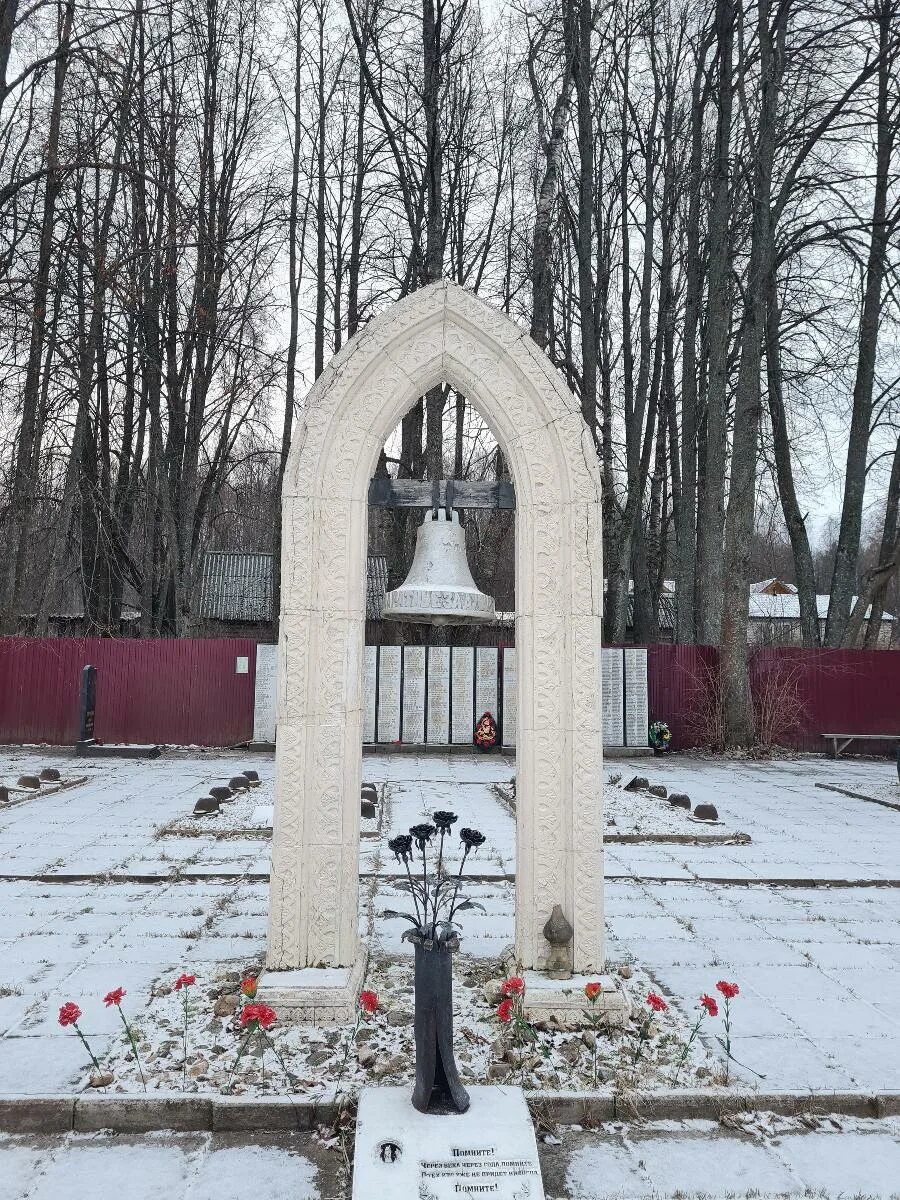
(238, 586)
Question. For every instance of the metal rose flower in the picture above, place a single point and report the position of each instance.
(471, 838)
(422, 835)
(401, 847)
(444, 820)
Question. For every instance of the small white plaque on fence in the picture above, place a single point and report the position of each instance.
(613, 724)
(462, 721)
(388, 693)
(636, 718)
(265, 689)
(510, 697)
(370, 668)
(414, 694)
(438, 695)
(486, 681)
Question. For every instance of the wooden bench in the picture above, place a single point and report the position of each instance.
(840, 741)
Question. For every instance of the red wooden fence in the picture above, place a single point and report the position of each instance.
(175, 692)
(799, 694)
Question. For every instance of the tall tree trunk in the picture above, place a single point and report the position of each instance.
(843, 579)
(554, 148)
(739, 521)
(711, 500)
(888, 557)
(796, 525)
(583, 71)
(28, 448)
(686, 505)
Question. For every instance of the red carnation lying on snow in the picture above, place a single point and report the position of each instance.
(261, 1013)
(69, 1014)
(728, 990)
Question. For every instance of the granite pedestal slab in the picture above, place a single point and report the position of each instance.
(488, 1151)
(314, 995)
(564, 1001)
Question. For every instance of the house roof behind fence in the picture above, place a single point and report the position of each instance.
(238, 586)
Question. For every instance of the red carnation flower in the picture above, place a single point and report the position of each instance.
(184, 981)
(505, 1011)
(592, 991)
(114, 997)
(656, 1002)
(69, 1014)
(248, 987)
(514, 986)
(709, 1003)
(728, 990)
(261, 1013)
(368, 1002)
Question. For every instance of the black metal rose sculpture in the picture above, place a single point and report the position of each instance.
(433, 932)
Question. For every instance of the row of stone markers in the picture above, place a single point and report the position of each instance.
(48, 780)
(223, 793)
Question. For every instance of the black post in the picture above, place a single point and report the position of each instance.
(87, 706)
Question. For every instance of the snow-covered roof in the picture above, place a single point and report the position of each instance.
(772, 586)
(787, 608)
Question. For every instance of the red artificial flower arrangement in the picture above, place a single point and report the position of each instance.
(486, 732)
(710, 1004)
(69, 1014)
(368, 1002)
(260, 1013)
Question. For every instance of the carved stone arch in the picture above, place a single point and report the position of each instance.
(441, 333)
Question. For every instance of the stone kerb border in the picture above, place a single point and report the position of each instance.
(55, 1114)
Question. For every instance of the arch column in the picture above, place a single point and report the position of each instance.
(439, 334)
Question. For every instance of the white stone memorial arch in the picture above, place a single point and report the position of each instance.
(439, 334)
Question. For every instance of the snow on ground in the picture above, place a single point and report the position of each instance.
(826, 1156)
(818, 966)
(181, 1166)
(816, 1157)
(92, 898)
